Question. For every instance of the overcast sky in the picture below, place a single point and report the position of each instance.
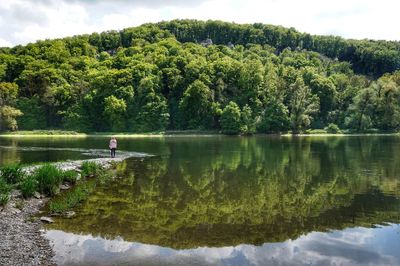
(23, 21)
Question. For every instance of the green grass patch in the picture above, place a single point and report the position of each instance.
(12, 173)
(5, 190)
(72, 198)
(70, 176)
(49, 179)
(28, 186)
(91, 169)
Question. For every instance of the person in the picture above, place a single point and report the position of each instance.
(113, 146)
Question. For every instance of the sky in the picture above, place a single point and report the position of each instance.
(24, 21)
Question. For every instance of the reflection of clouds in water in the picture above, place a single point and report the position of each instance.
(355, 246)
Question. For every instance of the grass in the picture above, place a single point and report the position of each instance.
(70, 176)
(90, 169)
(49, 179)
(12, 173)
(28, 186)
(71, 198)
(5, 190)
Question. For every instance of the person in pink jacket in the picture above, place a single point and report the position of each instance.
(113, 146)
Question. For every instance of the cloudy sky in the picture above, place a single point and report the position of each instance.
(23, 21)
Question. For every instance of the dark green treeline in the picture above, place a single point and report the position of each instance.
(212, 75)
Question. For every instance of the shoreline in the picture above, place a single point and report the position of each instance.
(22, 241)
(186, 134)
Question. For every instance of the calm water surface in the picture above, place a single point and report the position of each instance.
(232, 201)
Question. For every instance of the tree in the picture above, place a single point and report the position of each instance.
(8, 114)
(247, 121)
(115, 110)
(196, 106)
(153, 110)
(274, 118)
(231, 119)
(302, 106)
(361, 111)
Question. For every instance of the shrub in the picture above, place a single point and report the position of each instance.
(70, 176)
(12, 173)
(90, 168)
(332, 128)
(28, 186)
(49, 179)
(5, 190)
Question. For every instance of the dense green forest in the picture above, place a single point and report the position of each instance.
(188, 74)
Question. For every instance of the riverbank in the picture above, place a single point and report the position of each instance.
(22, 241)
(183, 133)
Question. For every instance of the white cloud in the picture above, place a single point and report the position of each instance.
(25, 21)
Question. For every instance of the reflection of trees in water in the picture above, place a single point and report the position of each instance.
(247, 190)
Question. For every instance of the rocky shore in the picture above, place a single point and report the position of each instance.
(21, 238)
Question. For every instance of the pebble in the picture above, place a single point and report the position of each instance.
(46, 220)
(64, 187)
(69, 214)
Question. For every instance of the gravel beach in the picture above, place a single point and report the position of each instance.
(21, 238)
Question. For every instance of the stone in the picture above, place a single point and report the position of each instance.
(69, 214)
(64, 187)
(16, 194)
(37, 195)
(46, 220)
(15, 211)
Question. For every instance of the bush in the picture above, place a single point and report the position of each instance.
(90, 169)
(70, 176)
(49, 179)
(231, 119)
(333, 129)
(28, 186)
(5, 190)
(12, 174)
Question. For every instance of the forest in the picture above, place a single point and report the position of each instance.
(201, 75)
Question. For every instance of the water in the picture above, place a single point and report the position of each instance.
(232, 201)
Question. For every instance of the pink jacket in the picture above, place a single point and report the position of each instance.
(113, 144)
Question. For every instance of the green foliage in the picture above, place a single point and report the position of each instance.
(34, 114)
(316, 131)
(332, 128)
(196, 106)
(49, 179)
(70, 176)
(230, 119)
(5, 190)
(71, 198)
(12, 174)
(275, 118)
(302, 106)
(28, 186)
(160, 77)
(114, 110)
(90, 169)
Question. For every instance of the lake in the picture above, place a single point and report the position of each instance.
(216, 200)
